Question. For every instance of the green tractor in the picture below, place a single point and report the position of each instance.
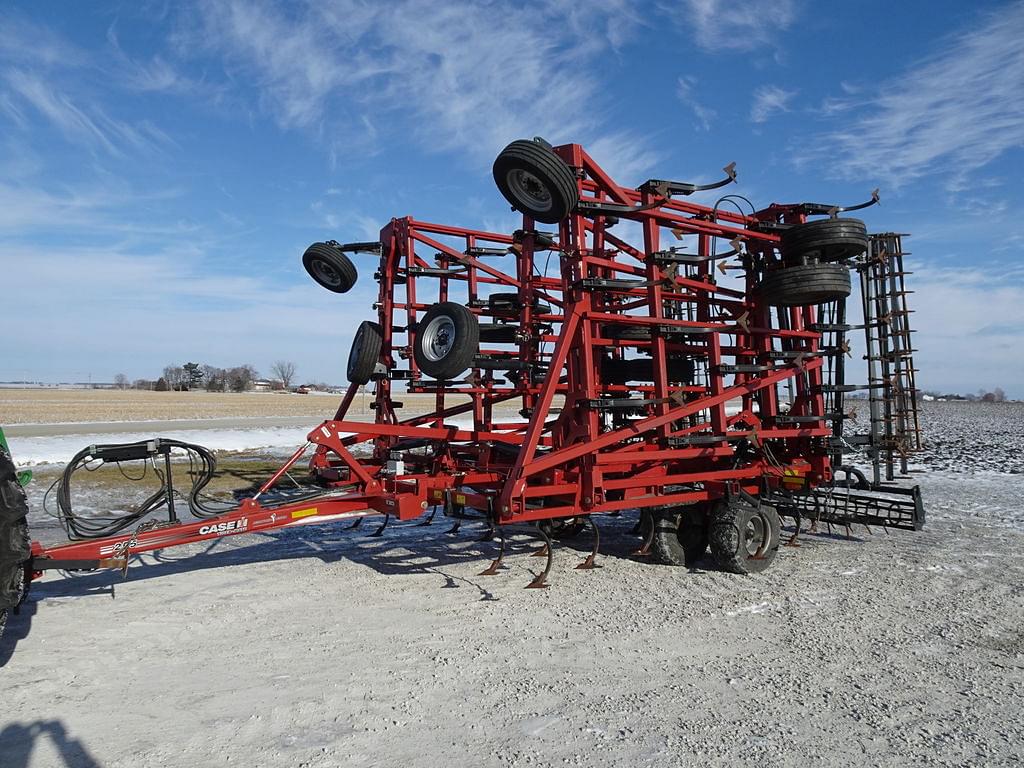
(15, 545)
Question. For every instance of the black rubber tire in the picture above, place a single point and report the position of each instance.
(744, 539)
(457, 355)
(329, 267)
(498, 333)
(628, 332)
(804, 285)
(681, 535)
(365, 352)
(536, 181)
(509, 304)
(615, 371)
(824, 240)
(503, 300)
(15, 544)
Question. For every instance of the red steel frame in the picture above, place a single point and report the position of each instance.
(680, 448)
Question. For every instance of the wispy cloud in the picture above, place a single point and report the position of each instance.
(770, 100)
(952, 113)
(462, 81)
(684, 90)
(734, 26)
(87, 125)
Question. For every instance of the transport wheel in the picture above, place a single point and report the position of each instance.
(329, 267)
(536, 181)
(498, 333)
(365, 352)
(447, 340)
(15, 546)
(744, 539)
(681, 535)
(805, 284)
(824, 240)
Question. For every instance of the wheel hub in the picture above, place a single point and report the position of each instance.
(754, 536)
(326, 273)
(438, 338)
(530, 189)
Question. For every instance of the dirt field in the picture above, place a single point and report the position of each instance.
(51, 406)
(322, 646)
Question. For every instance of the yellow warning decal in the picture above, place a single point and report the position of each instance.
(303, 512)
(437, 493)
(460, 499)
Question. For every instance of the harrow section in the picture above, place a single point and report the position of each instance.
(623, 349)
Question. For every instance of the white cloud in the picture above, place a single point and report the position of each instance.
(769, 100)
(114, 308)
(735, 26)
(951, 114)
(684, 90)
(970, 327)
(467, 76)
(88, 126)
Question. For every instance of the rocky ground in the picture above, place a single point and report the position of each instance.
(326, 647)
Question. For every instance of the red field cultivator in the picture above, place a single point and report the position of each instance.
(626, 349)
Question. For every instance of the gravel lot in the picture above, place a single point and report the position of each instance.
(326, 647)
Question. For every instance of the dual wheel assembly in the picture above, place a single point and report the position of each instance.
(742, 538)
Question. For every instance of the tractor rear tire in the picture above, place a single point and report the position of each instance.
(15, 545)
(681, 535)
(744, 539)
(329, 267)
(536, 181)
(804, 285)
(824, 240)
(447, 340)
(365, 352)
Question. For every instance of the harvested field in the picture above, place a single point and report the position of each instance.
(321, 646)
(63, 406)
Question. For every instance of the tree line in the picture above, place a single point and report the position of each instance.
(212, 378)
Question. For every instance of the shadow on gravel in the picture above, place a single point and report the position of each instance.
(18, 625)
(18, 740)
(403, 549)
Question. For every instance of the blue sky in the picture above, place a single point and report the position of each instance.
(163, 165)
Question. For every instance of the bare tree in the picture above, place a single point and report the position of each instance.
(285, 371)
(241, 377)
(216, 379)
(121, 381)
(174, 376)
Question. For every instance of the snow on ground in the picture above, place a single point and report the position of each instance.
(322, 646)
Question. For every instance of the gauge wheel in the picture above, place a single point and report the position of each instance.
(447, 340)
(329, 267)
(536, 181)
(365, 352)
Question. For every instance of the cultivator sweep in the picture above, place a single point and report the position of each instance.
(623, 349)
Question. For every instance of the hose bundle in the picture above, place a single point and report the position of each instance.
(202, 465)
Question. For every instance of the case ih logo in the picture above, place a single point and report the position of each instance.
(230, 527)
